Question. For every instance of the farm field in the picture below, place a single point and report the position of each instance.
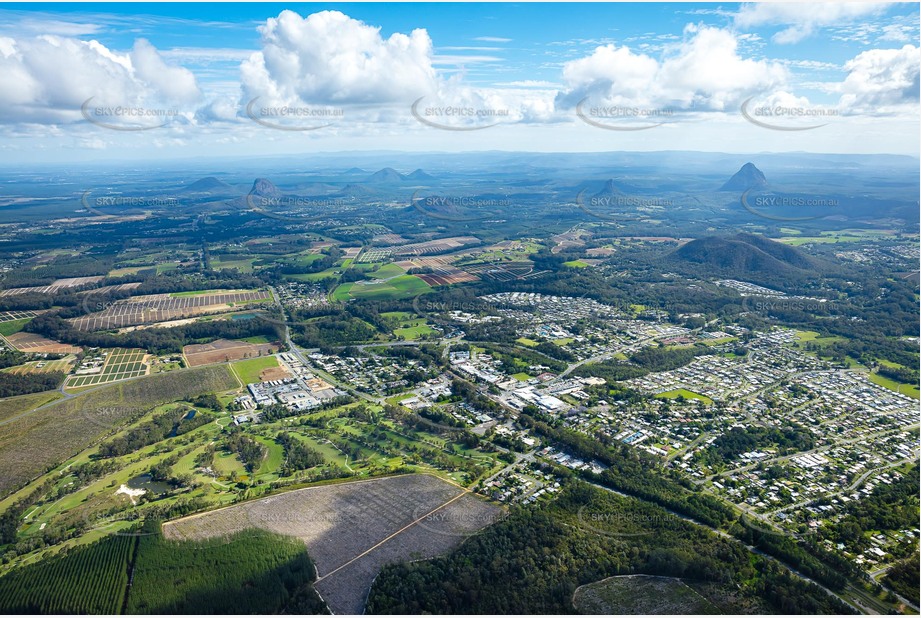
(252, 370)
(164, 307)
(447, 275)
(797, 241)
(54, 286)
(402, 286)
(244, 266)
(443, 272)
(386, 271)
(250, 572)
(505, 271)
(63, 365)
(641, 594)
(120, 364)
(441, 245)
(224, 350)
(90, 580)
(352, 529)
(36, 344)
(15, 316)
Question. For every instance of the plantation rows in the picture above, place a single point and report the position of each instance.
(248, 572)
(86, 580)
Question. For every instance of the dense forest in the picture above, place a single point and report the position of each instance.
(249, 572)
(532, 562)
(904, 578)
(12, 384)
(637, 474)
(740, 440)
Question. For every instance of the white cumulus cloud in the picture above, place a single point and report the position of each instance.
(330, 58)
(46, 79)
(703, 72)
(882, 81)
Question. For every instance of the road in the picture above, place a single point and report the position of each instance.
(856, 598)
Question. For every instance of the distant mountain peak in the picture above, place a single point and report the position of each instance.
(355, 190)
(263, 187)
(209, 184)
(418, 174)
(609, 188)
(748, 177)
(388, 174)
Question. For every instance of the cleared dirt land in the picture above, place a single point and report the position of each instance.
(224, 350)
(30, 342)
(353, 529)
(640, 594)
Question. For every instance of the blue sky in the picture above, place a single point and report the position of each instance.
(510, 76)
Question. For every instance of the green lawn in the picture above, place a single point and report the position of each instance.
(274, 459)
(403, 286)
(575, 264)
(386, 271)
(256, 339)
(719, 341)
(673, 394)
(329, 273)
(249, 370)
(10, 328)
(225, 463)
(244, 266)
(527, 342)
(341, 293)
(330, 453)
(397, 315)
(810, 336)
(412, 333)
(906, 389)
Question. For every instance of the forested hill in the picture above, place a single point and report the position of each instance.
(745, 253)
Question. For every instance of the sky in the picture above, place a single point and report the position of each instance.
(139, 81)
